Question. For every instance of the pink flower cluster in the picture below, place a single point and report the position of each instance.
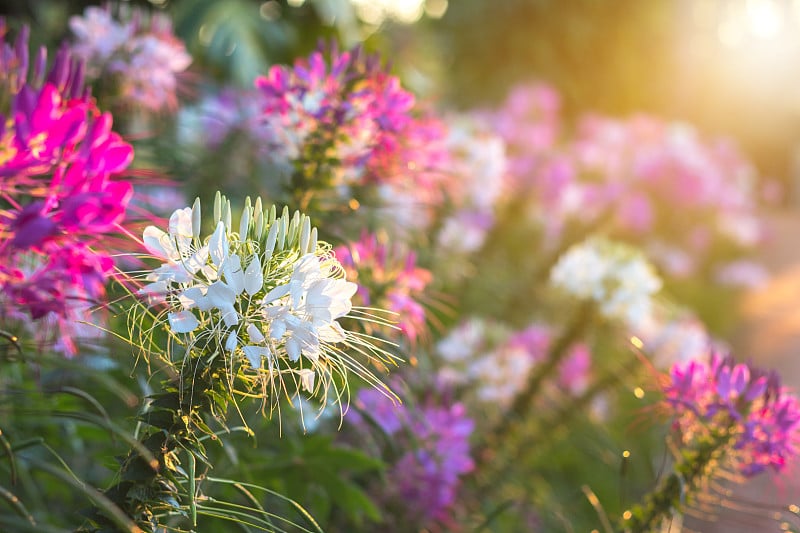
(425, 479)
(689, 201)
(387, 277)
(745, 405)
(352, 113)
(139, 51)
(58, 157)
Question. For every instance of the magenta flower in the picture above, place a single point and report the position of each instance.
(759, 419)
(344, 121)
(60, 199)
(389, 278)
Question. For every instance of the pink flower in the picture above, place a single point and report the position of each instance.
(60, 200)
(388, 277)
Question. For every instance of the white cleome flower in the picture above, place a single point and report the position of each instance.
(267, 293)
(615, 276)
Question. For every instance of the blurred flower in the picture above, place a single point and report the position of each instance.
(493, 363)
(615, 276)
(343, 121)
(60, 203)
(424, 481)
(388, 277)
(139, 51)
(742, 273)
(756, 420)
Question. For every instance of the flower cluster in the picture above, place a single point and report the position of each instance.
(139, 51)
(758, 420)
(269, 294)
(495, 363)
(388, 277)
(345, 122)
(630, 175)
(425, 479)
(613, 275)
(58, 161)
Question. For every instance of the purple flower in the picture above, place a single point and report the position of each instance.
(722, 397)
(435, 438)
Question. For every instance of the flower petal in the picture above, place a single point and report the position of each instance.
(253, 276)
(218, 244)
(183, 321)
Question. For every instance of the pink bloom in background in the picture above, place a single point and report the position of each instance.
(139, 50)
(60, 199)
(348, 110)
(425, 479)
(389, 278)
(758, 419)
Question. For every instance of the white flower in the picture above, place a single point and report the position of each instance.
(615, 276)
(305, 309)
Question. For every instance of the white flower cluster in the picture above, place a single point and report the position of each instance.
(270, 292)
(486, 357)
(616, 276)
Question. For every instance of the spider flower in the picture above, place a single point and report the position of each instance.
(266, 293)
(388, 277)
(140, 52)
(346, 122)
(613, 275)
(60, 200)
(757, 420)
(425, 479)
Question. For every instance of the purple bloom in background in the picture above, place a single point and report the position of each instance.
(389, 278)
(139, 51)
(434, 438)
(759, 418)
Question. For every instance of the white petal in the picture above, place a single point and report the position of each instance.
(278, 292)
(180, 223)
(194, 297)
(277, 329)
(255, 333)
(233, 273)
(293, 349)
(229, 315)
(307, 379)
(218, 244)
(159, 243)
(232, 341)
(332, 333)
(220, 294)
(254, 355)
(253, 276)
(183, 321)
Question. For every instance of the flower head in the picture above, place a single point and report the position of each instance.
(388, 277)
(614, 275)
(425, 479)
(60, 200)
(267, 296)
(759, 419)
(139, 51)
(343, 121)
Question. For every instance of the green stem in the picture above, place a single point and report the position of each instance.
(694, 467)
(154, 484)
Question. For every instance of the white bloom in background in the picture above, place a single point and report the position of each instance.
(615, 276)
(98, 36)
